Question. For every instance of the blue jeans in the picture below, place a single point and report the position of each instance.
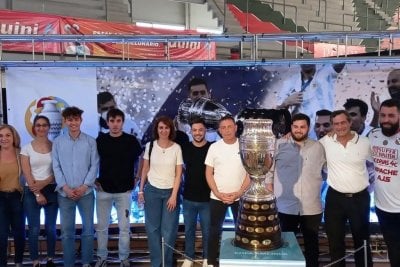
(122, 202)
(11, 214)
(160, 223)
(32, 211)
(191, 210)
(67, 215)
(390, 223)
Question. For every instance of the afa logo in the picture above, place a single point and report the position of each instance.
(49, 106)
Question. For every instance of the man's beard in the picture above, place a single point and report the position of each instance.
(299, 139)
(197, 140)
(392, 130)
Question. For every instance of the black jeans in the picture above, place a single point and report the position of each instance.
(339, 209)
(390, 224)
(217, 217)
(309, 227)
(11, 215)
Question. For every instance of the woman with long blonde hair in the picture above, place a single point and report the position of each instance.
(11, 208)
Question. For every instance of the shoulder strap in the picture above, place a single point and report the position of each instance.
(150, 149)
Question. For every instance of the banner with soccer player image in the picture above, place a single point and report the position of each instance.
(144, 93)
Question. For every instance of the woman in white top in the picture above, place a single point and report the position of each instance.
(162, 170)
(39, 190)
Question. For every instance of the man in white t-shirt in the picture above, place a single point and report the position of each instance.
(385, 143)
(227, 180)
(348, 198)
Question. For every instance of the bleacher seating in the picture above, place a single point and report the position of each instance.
(109, 10)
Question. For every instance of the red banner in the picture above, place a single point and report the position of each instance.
(38, 24)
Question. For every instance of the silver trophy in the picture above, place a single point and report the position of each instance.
(206, 108)
(258, 224)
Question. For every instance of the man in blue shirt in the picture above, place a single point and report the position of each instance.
(75, 164)
(297, 185)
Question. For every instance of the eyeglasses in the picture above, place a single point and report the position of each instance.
(44, 125)
(201, 92)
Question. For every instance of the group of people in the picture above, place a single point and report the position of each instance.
(214, 179)
(343, 178)
(18, 198)
(62, 176)
(77, 171)
(354, 159)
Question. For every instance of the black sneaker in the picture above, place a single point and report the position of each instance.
(50, 263)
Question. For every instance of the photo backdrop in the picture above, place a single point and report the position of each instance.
(47, 91)
(146, 92)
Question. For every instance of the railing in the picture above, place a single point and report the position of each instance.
(255, 42)
(350, 28)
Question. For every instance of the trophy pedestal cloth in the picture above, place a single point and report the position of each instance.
(258, 224)
(289, 254)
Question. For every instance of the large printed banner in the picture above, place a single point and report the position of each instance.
(47, 91)
(146, 92)
(39, 24)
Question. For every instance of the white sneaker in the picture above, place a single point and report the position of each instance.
(101, 262)
(187, 263)
(125, 263)
(205, 264)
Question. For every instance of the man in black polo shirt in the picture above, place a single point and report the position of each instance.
(118, 152)
(196, 193)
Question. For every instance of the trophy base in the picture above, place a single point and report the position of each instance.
(258, 226)
(271, 246)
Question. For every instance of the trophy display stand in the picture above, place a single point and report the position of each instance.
(257, 226)
(289, 254)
